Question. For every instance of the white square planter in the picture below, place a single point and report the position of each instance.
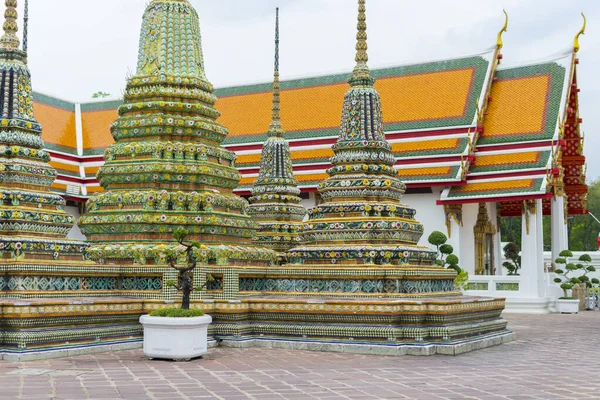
(567, 306)
(175, 338)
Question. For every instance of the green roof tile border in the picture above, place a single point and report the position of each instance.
(553, 102)
(97, 151)
(58, 148)
(53, 102)
(543, 161)
(537, 186)
(101, 105)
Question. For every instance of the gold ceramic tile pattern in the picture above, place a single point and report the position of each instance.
(518, 106)
(508, 158)
(58, 124)
(495, 186)
(96, 128)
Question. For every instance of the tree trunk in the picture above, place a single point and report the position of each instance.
(185, 301)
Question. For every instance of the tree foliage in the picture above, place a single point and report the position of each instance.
(100, 95)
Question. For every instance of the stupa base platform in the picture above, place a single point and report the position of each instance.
(369, 348)
(46, 328)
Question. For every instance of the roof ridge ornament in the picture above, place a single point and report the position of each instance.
(9, 40)
(581, 32)
(361, 75)
(275, 129)
(499, 42)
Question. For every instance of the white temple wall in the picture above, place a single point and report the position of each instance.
(428, 212)
(75, 232)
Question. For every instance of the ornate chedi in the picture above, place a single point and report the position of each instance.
(33, 222)
(167, 170)
(362, 221)
(275, 201)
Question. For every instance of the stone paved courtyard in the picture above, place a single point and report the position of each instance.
(554, 357)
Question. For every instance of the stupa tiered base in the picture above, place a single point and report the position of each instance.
(47, 328)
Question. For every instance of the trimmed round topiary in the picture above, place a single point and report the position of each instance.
(437, 238)
(585, 258)
(446, 249)
(452, 259)
(566, 253)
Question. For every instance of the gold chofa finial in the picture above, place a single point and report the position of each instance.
(9, 40)
(361, 74)
(499, 43)
(581, 32)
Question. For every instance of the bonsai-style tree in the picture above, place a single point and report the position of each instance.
(563, 279)
(185, 281)
(511, 253)
(587, 268)
(447, 259)
(438, 239)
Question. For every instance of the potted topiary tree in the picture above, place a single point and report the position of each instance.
(178, 333)
(447, 259)
(566, 303)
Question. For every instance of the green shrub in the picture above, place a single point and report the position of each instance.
(446, 249)
(437, 238)
(511, 253)
(177, 313)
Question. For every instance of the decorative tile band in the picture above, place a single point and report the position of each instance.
(71, 283)
(367, 286)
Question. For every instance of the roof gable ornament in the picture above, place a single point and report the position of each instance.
(499, 42)
(581, 32)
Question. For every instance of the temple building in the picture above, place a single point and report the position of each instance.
(275, 201)
(358, 282)
(473, 141)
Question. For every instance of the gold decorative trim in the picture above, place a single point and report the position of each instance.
(453, 212)
(483, 227)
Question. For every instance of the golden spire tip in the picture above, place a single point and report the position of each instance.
(499, 43)
(581, 32)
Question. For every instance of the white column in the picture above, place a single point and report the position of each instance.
(467, 238)
(532, 254)
(498, 253)
(559, 228)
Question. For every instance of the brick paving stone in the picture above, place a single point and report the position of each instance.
(548, 361)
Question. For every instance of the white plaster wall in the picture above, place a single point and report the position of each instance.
(428, 213)
(308, 203)
(75, 232)
(466, 253)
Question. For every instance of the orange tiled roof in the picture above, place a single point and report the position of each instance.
(478, 190)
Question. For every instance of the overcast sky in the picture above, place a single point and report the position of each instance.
(78, 47)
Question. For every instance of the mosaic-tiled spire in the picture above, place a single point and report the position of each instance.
(33, 223)
(9, 40)
(362, 220)
(275, 194)
(167, 170)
